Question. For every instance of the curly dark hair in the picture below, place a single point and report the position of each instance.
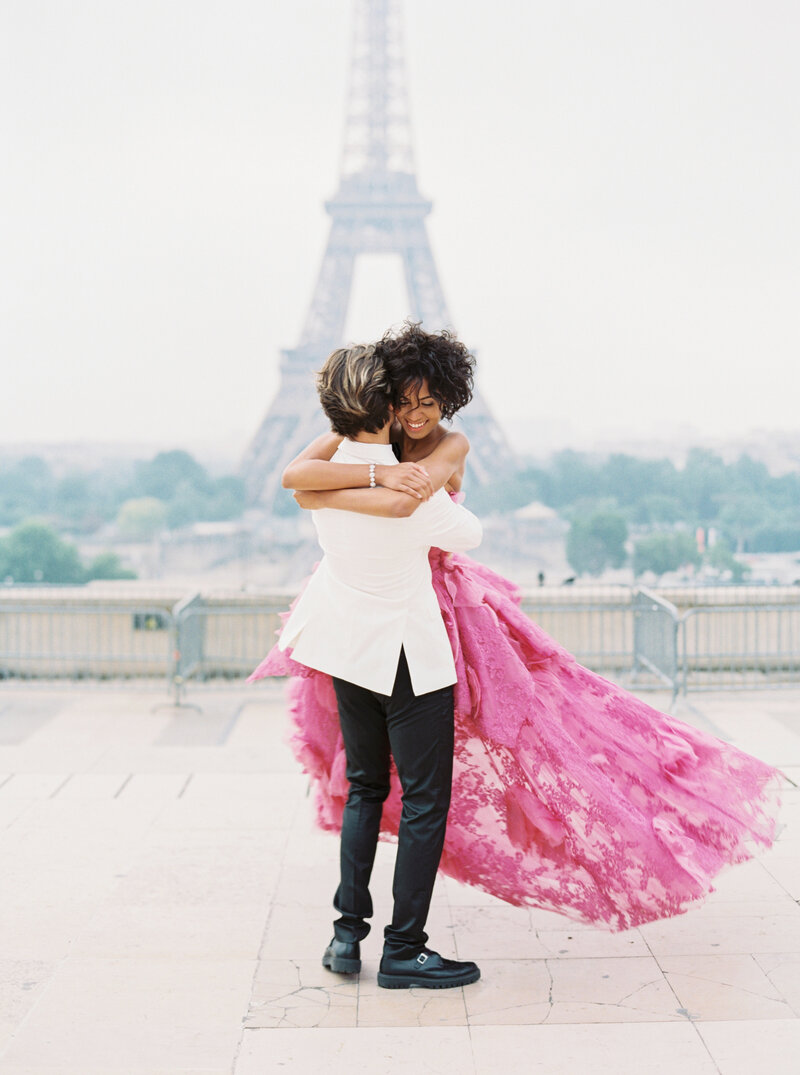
(413, 356)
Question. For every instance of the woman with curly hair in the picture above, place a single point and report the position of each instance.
(569, 793)
(432, 377)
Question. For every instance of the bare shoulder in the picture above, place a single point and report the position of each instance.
(457, 444)
(447, 461)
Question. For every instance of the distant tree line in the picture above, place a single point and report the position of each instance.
(33, 552)
(659, 506)
(168, 491)
(608, 502)
(81, 502)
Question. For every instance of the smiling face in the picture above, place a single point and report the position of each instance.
(417, 410)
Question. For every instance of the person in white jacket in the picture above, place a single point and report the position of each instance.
(369, 617)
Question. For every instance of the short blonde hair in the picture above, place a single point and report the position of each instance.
(354, 390)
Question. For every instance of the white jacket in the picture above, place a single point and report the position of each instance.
(372, 593)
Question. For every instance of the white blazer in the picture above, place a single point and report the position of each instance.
(372, 592)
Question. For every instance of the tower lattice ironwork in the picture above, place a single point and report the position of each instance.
(377, 209)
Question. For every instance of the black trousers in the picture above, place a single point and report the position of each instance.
(418, 732)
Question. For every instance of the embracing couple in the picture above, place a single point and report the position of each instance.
(565, 791)
(370, 619)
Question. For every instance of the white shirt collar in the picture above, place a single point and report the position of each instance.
(369, 451)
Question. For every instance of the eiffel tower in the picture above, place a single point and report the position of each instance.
(377, 209)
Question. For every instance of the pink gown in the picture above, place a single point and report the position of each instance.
(569, 793)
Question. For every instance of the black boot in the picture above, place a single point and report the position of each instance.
(343, 957)
(428, 970)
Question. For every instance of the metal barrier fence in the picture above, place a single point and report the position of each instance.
(49, 641)
(217, 643)
(636, 636)
(738, 646)
(628, 635)
(596, 627)
(74, 636)
(188, 651)
(655, 639)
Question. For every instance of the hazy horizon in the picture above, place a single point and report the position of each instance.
(778, 449)
(616, 219)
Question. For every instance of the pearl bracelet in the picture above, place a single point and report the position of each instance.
(372, 475)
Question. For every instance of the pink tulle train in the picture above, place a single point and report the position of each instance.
(569, 793)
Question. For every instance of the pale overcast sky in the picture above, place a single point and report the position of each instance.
(616, 212)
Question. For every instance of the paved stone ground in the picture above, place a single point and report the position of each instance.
(165, 900)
